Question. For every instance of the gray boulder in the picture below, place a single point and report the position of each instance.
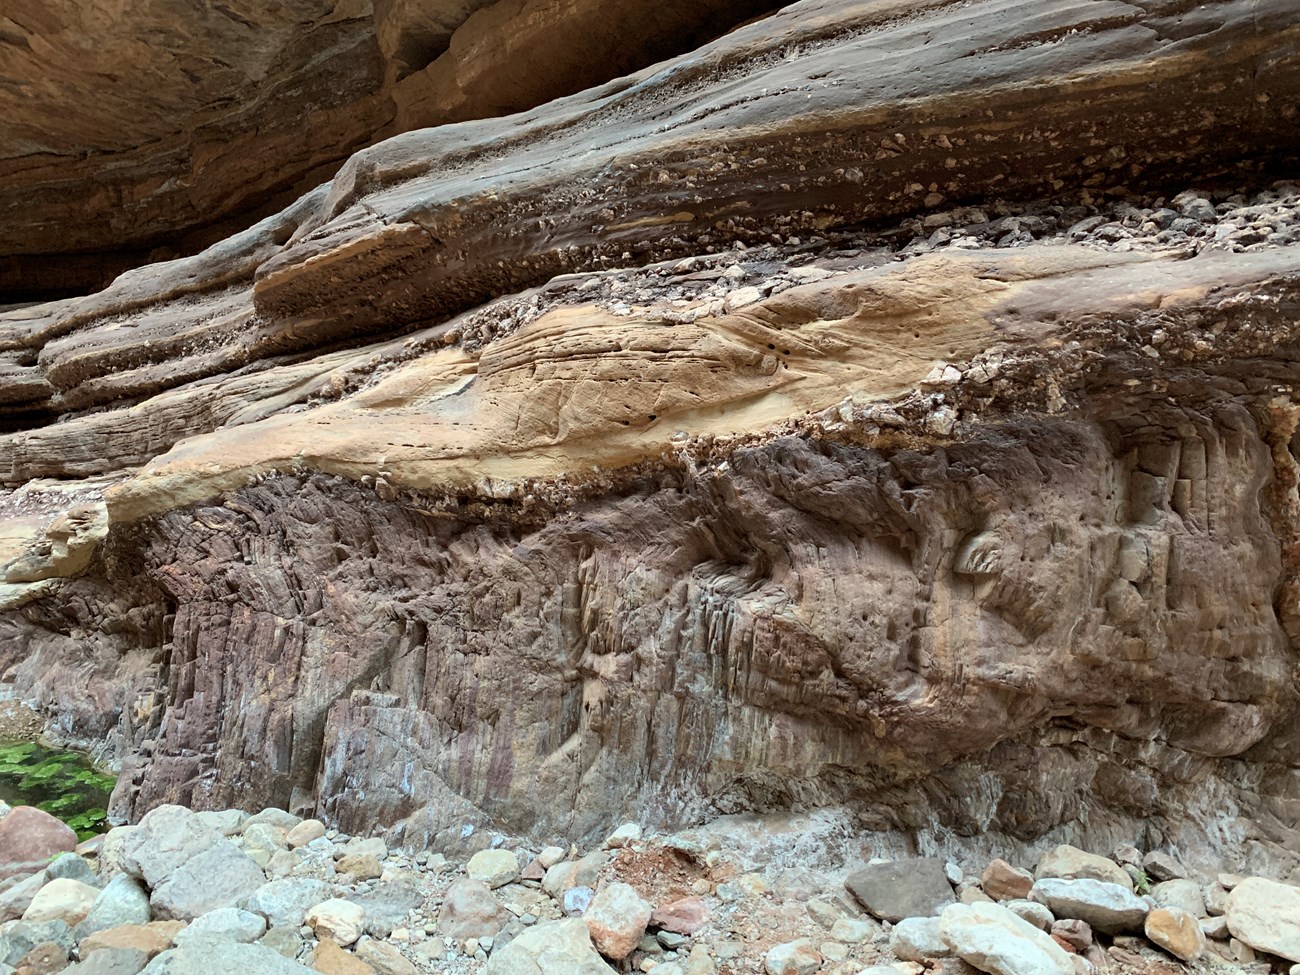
(111, 961)
(122, 901)
(232, 959)
(386, 907)
(284, 941)
(18, 897)
(166, 838)
(69, 866)
(226, 924)
(20, 937)
(1107, 907)
(1183, 894)
(285, 903)
(220, 876)
(902, 888)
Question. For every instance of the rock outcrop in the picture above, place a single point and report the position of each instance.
(845, 412)
(129, 133)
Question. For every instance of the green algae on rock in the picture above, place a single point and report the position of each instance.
(63, 783)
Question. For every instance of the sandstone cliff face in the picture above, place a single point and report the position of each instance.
(154, 128)
(597, 462)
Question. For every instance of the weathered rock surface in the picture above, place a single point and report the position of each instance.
(285, 902)
(792, 958)
(1001, 881)
(186, 122)
(995, 940)
(1176, 931)
(893, 890)
(221, 876)
(233, 959)
(498, 461)
(1266, 915)
(1105, 906)
(340, 920)
(63, 900)
(918, 939)
(29, 837)
(470, 911)
(1070, 863)
(617, 919)
(552, 946)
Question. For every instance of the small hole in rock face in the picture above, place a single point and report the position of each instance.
(652, 416)
(785, 351)
(770, 345)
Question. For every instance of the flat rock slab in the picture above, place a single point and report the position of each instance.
(902, 888)
(1070, 863)
(1107, 907)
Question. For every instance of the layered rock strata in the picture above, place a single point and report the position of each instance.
(595, 465)
(132, 132)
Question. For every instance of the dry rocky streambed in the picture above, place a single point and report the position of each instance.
(226, 893)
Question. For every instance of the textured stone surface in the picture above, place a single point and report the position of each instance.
(493, 867)
(1105, 906)
(122, 901)
(686, 915)
(339, 920)
(168, 838)
(383, 958)
(220, 876)
(1183, 894)
(551, 946)
(224, 924)
(896, 889)
(918, 939)
(152, 938)
(232, 959)
(1176, 931)
(225, 111)
(1070, 863)
(29, 837)
(792, 958)
(940, 538)
(63, 900)
(285, 903)
(1003, 882)
(1266, 915)
(995, 940)
(617, 919)
(111, 961)
(470, 911)
(329, 959)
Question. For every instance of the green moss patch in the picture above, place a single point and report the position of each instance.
(61, 782)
